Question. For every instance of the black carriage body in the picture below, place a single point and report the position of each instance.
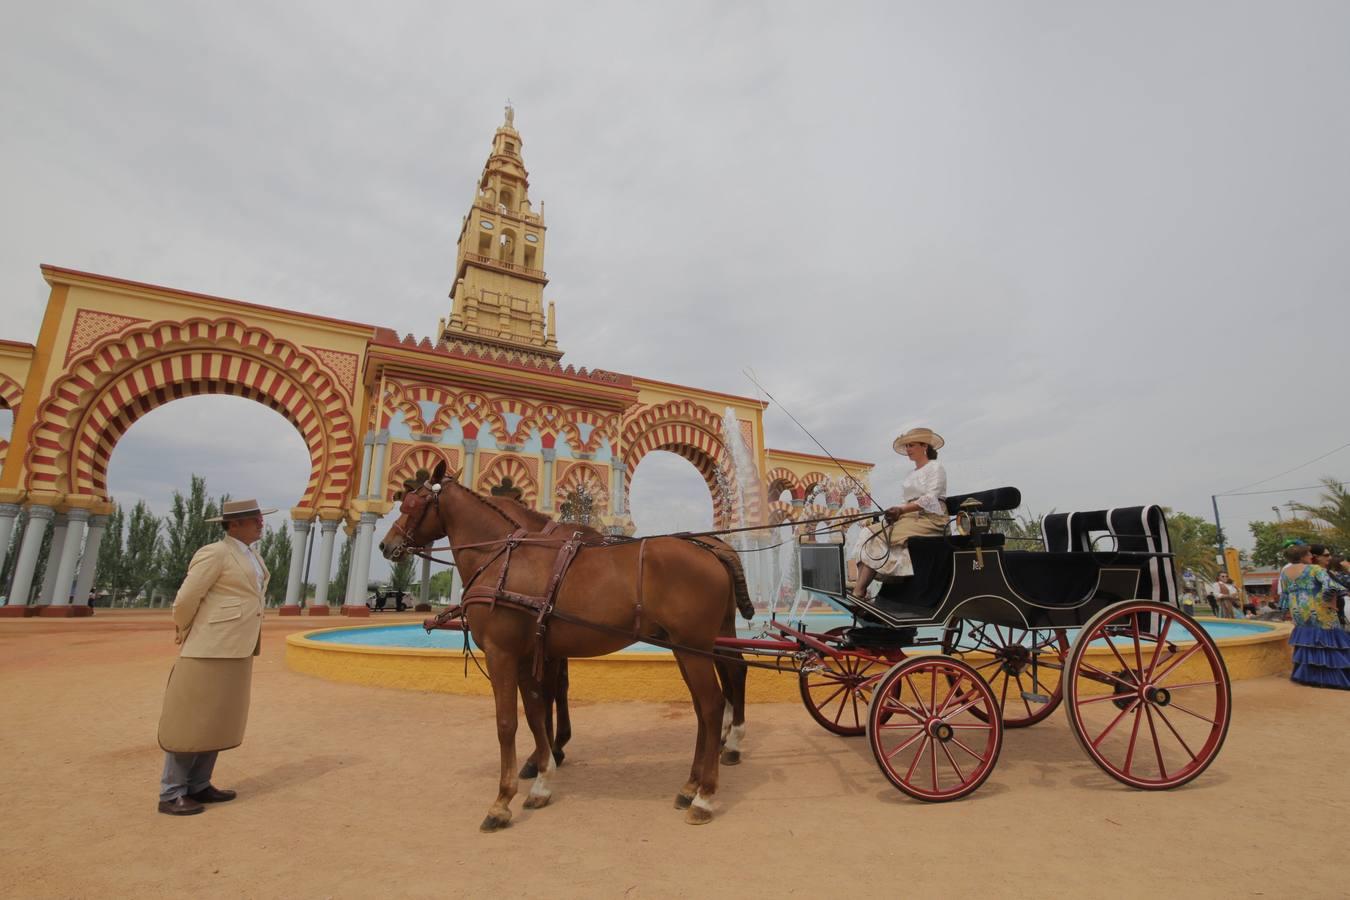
(975, 577)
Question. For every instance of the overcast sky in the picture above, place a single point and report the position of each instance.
(1102, 248)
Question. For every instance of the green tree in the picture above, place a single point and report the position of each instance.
(1331, 514)
(1025, 530)
(140, 563)
(442, 583)
(1270, 538)
(110, 555)
(15, 541)
(401, 574)
(186, 531)
(337, 588)
(275, 550)
(1195, 543)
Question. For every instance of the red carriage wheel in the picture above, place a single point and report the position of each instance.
(838, 690)
(1009, 669)
(924, 731)
(1150, 710)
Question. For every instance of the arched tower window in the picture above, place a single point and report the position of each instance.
(508, 200)
(506, 246)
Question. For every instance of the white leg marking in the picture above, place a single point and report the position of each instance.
(540, 787)
(726, 721)
(702, 802)
(735, 737)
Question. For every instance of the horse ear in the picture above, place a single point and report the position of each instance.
(439, 475)
(454, 476)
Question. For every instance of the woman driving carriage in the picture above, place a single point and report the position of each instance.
(882, 549)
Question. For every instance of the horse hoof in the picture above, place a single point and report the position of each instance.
(494, 823)
(559, 756)
(537, 802)
(731, 757)
(683, 801)
(529, 770)
(697, 815)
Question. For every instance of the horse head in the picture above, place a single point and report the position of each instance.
(420, 522)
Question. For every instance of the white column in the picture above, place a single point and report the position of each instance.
(77, 520)
(470, 449)
(424, 596)
(365, 467)
(546, 501)
(365, 533)
(38, 519)
(61, 524)
(9, 514)
(327, 528)
(376, 489)
(84, 581)
(620, 505)
(299, 538)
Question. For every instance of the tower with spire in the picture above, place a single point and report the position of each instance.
(497, 301)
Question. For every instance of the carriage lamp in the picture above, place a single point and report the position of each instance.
(972, 520)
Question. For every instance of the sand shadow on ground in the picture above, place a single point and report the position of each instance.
(293, 773)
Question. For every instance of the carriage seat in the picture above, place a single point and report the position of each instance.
(1052, 579)
(918, 597)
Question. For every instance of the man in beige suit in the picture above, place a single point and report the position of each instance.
(218, 619)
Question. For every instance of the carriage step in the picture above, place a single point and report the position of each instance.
(1035, 698)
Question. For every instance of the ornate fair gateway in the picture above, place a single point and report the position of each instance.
(489, 396)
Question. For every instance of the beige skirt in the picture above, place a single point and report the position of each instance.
(205, 705)
(886, 553)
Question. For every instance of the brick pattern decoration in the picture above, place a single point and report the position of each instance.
(121, 378)
(90, 325)
(522, 475)
(482, 410)
(406, 459)
(342, 365)
(693, 432)
(571, 475)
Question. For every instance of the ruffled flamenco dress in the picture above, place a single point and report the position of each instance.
(1321, 645)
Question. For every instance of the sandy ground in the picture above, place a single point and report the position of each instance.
(348, 791)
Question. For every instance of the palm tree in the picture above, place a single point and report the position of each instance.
(1333, 512)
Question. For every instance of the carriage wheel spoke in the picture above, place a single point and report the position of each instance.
(1114, 722)
(1176, 661)
(1162, 715)
(963, 707)
(960, 743)
(932, 758)
(1112, 644)
(837, 691)
(951, 692)
(971, 726)
(1003, 694)
(1102, 698)
(918, 699)
(895, 705)
(1157, 648)
(1109, 675)
(1176, 705)
(1157, 747)
(890, 756)
(1177, 687)
(913, 763)
(951, 759)
(1134, 736)
(1134, 635)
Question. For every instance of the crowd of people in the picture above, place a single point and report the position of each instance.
(1312, 590)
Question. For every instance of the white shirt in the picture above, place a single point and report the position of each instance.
(252, 557)
(927, 487)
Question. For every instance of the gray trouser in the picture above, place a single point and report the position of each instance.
(186, 773)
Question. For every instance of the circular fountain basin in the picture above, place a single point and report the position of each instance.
(406, 656)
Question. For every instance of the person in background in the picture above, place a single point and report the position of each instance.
(1321, 645)
(1339, 572)
(1227, 596)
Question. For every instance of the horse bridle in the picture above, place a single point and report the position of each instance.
(426, 497)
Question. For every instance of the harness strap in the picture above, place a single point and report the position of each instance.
(637, 606)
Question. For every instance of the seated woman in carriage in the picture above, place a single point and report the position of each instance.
(882, 546)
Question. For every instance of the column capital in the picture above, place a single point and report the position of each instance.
(328, 526)
(41, 512)
(77, 515)
(382, 436)
(9, 510)
(301, 525)
(369, 518)
(616, 462)
(549, 454)
(99, 521)
(470, 445)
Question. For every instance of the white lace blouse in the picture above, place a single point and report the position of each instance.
(926, 487)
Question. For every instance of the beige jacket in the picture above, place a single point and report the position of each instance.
(218, 610)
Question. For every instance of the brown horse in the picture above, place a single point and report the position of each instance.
(662, 588)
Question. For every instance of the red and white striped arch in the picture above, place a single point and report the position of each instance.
(408, 458)
(11, 393)
(506, 466)
(592, 477)
(115, 382)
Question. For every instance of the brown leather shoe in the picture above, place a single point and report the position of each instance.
(182, 806)
(212, 794)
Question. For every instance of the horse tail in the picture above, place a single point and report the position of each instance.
(728, 557)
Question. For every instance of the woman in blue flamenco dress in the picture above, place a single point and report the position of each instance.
(1321, 646)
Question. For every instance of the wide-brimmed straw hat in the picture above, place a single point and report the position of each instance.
(918, 436)
(240, 509)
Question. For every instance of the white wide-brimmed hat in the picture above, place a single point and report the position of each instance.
(918, 436)
(240, 509)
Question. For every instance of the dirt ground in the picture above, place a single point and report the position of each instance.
(348, 791)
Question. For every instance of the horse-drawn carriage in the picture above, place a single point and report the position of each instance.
(932, 669)
(1003, 638)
